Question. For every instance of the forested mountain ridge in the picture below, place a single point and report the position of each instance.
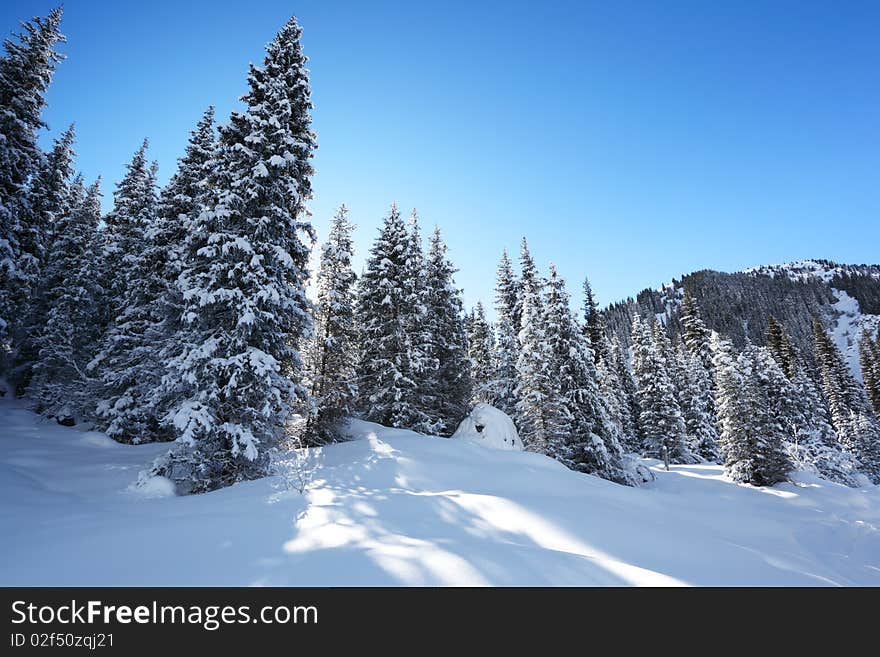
(846, 298)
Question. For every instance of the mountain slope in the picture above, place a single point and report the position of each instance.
(393, 507)
(845, 297)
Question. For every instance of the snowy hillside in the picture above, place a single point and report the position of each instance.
(737, 305)
(393, 507)
(845, 315)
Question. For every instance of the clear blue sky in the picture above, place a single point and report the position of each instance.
(630, 141)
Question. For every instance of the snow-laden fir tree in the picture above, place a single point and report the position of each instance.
(780, 345)
(815, 446)
(594, 325)
(542, 419)
(502, 390)
(449, 382)
(628, 392)
(772, 416)
(869, 361)
(695, 396)
(733, 410)
(65, 344)
(332, 355)
(424, 362)
(481, 346)
(243, 284)
(49, 201)
(615, 402)
(26, 70)
(127, 362)
(134, 210)
(694, 333)
(851, 414)
(661, 423)
(180, 203)
(589, 441)
(529, 280)
(388, 391)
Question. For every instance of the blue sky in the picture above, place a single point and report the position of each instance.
(629, 141)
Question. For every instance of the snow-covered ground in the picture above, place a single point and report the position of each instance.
(393, 507)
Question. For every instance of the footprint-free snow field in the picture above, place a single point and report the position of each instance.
(396, 508)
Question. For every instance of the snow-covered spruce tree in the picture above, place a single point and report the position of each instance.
(772, 415)
(449, 382)
(65, 343)
(594, 326)
(332, 356)
(387, 389)
(781, 347)
(529, 281)
(589, 441)
(502, 389)
(481, 346)
(815, 446)
(243, 283)
(26, 70)
(542, 418)
(695, 393)
(661, 424)
(695, 335)
(49, 201)
(733, 409)
(179, 204)
(425, 364)
(850, 409)
(612, 388)
(629, 395)
(869, 360)
(127, 362)
(615, 403)
(134, 208)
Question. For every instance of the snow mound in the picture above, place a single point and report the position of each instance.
(152, 487)
(489, 427)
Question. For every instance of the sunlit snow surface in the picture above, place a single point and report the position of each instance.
(392, 508)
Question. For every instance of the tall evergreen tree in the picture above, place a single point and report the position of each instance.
(772, 415)
(481, 345)
(850, 409)
(542, 419)
(815, 446)
(502, 389)
(695, 335)
(450, 382)
(779, 343)
(594, 326)
(628, 394)
(660, 421)
(49, 201)
(424, 362)
(589, 441)
(869, 360)
(332, 358)
(26, 70)
(179, 205)
(243, 284)
(732, 405)
(388, 390)
(65, 343)
(695, 392)
(126, 361)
